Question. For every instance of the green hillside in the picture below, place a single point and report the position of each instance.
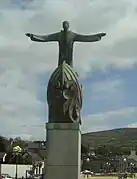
(124, 137)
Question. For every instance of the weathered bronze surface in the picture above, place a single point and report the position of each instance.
(66, 39)
(64, 95)
(64, 92)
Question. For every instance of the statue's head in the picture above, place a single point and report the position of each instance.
(65, 25)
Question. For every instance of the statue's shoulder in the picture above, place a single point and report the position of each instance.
(60, 34)
(72, 34)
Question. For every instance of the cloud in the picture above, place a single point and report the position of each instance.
(104, 94)
(104, 16)
(24, 63)
(109, 120)
(133, 125)
(108, 87)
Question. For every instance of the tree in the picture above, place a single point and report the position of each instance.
(14, 156)
(84, 150)
(101, 150)
(17, 155)
(3, 144)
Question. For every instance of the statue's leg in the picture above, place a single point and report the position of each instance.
(69, 62)
(61, 59)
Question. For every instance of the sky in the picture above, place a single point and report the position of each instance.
(107, 68)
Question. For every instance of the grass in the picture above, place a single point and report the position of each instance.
(125, 137)
(99, 177)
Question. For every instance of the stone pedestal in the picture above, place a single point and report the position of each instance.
(63, 151)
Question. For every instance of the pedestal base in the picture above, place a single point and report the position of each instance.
(63, 151)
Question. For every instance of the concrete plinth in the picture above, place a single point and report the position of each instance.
(63, 151)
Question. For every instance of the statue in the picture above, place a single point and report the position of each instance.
(64, 92)
(66, 39)
(64, 95)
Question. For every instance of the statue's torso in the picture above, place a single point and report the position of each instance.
(66, 40)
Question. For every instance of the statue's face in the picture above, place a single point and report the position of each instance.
(65, 25)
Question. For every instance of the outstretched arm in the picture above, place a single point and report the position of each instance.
(43, 38)
(88, 38)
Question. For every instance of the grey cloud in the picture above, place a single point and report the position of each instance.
(108, 120)
(125, 48)
(21, 60)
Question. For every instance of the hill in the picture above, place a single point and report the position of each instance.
(122, 137)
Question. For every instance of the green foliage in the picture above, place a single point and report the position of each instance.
(84, 149)
(109, 150)
(17, 155)
(102, 150)
(21, 158)
(3, 144)
(11, 158)
(112, 142)
(123, 137)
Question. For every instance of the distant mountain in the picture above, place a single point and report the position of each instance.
(125, 137)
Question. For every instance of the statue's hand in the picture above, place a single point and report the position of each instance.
(101, 34)
(29, 35)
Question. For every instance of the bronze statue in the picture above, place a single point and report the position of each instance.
(64, 92)
(66, 39)
(64, 95)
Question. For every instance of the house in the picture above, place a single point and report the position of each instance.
(38, 147)
(2, 154)
(132, 155)
(32, 157)
(36, 161)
